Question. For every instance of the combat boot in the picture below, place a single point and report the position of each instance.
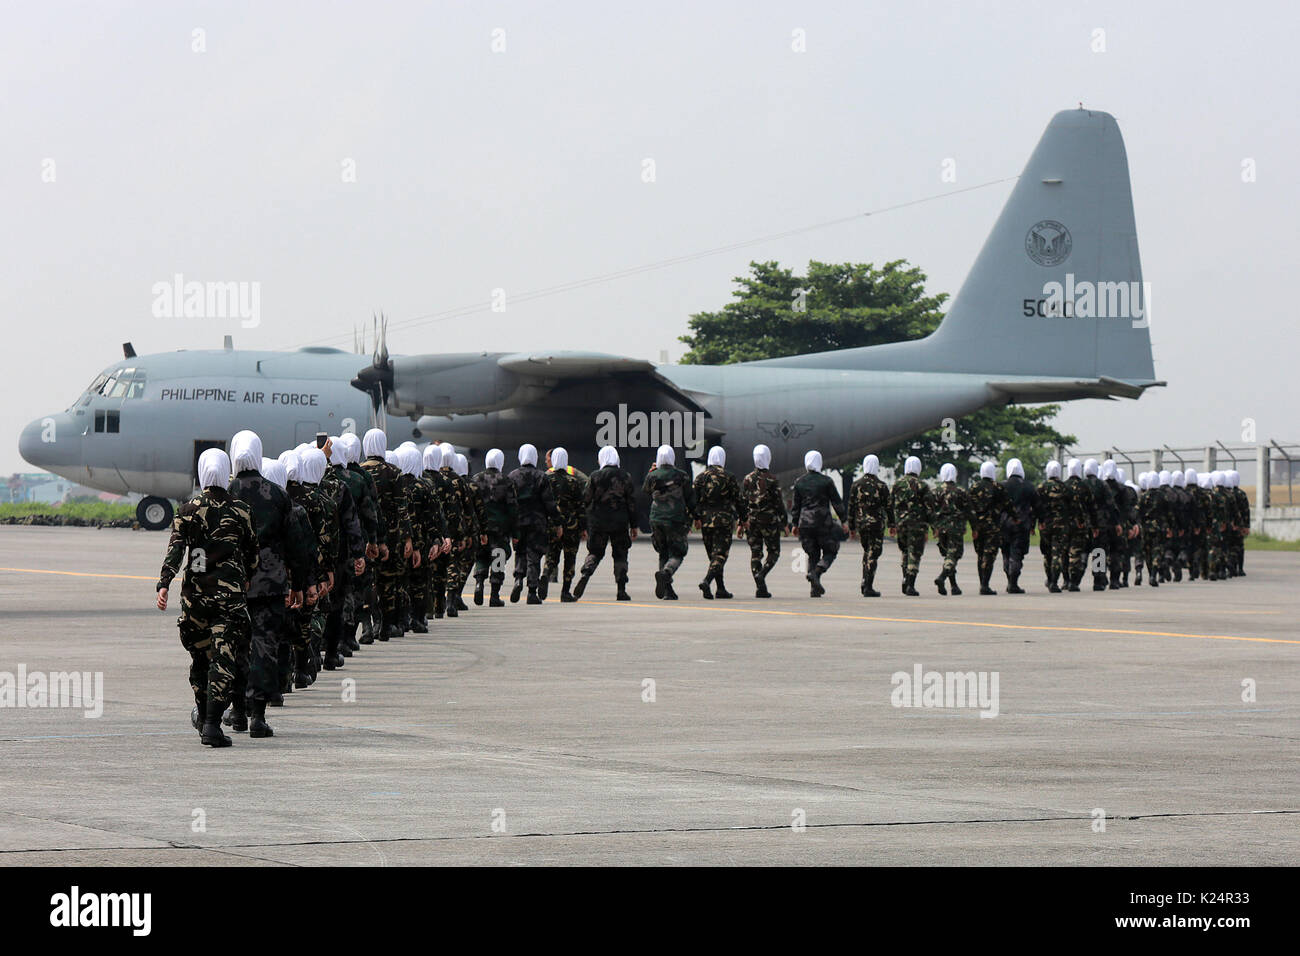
(1053, 587)
(197, 712)
(543, 587)
(210, 733)
(939, 583)
(553, 576)
(566, 596)
(622, 591)
(533, 597)
(1137, 578)
(909, 585)
(495, 599)
(815, 581)
(760, 586)
(257, 725)
(302, 679)
(720, 591)
(1013, 584)
(984, 582)
(350, 639)
(580, 588)
(868, 590)
(460, 602)
(704, 587)
(237, 719)
(669, 593)
(419, 625)
(478, 591)
(952, 582)
(333, 661)
(517, 591)
(661, 584)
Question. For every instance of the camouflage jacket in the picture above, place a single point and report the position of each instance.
(1125, 502)
(321, 515)
(989, 504)
(352, 542)
(427, 523)
(610, 500)
(869, 505)
(447, 494)
(473, 510)
(500, 503)
(1105, 514)
(910, 503)
(1242, 512)
(764, 508)
(1152, 510)
(1198, 508)
(395, 519)
(1055, 507)
(952, 509)
(1022, 501)
(534, 499)
(1084, 505)
(815, 497)
(280, 563)
(672, 496)
(218, 531)
(717, 496)
(568, 485)
(362, 487)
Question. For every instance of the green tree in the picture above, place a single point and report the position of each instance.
(775, 313)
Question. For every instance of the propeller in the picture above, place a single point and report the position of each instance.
(377, 378)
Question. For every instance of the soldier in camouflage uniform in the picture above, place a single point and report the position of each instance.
(447, 496)
(1131, 540)
(1017, 523)
(537, 515)
(299, 669)
(1196, 502)
(395, 531)
(672, 508)
(567, 485)
(952, 511)
(430, 527)
(277, 586)
(362, 607)
(1153, 514)
(1056, 516)
(814, 498)
(218, 534)
(765, 518)
(1117, 537)
(350, 559)
(910, 508)
(868, 518)
(473, 523)
(989, 505)
(1221, 514)
(1081, 532)
(719, 507)
(610, 500)
(1105, 523)
(303, 550)
(1240, 525)
(501, 514)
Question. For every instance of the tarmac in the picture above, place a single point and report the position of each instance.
(1146, 726)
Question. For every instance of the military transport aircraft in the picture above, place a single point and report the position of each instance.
(1053, 309)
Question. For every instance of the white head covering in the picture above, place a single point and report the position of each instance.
(449, 455)
(1053, 469)
(717, 456)
(272, 470)
(409, 460)
(989, 469)
(1203, 481)
(214, 469)
(1177, 478)
(375, 443)
(559, 458)
(912, 466)
(246, 451)
(762, 456)
(1090, 468)
(390, 457)
(495, 458)
(290, 461)
(665, 456)
(527, 455)
(1108, 469)
(462, 464)
(607, 457)
(1122, 476)
(1191, 477)
(351, 447)
(1234, 477)
(948, 472)
(406, 444)
(813, 460)
(1074, 468)
(1014, 467)
(311, 466)
(1165, 476)
(1218, 477)
(1144, 479)
(338, 452)
(871, 465)
(432, 457)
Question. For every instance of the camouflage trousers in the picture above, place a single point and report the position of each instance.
(570, 538)
(437, 600)
(1235, 549)
(717, 545)
(1080, 547)
(458, 571)
(911, 545)
(760, 537)
(1134, 553)
(491, 558)
(417, 588)
(1054, 543)
(391, 583)
(873, 543)
(670, 542)
(821, 548)
(1176, 551)
(216, 635)
(1153, 549)
(363, 601)
(987, 541)
(268, 621)
(952, 545)
(619, 542)
(529, 554)
(1015, 545)
(1197, 565)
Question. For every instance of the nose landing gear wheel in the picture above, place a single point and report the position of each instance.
(154, 514)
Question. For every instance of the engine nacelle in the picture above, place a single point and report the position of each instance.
(462, 383)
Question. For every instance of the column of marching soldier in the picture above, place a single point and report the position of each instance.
(292, 564)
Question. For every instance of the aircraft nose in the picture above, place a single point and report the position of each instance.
(50, 441)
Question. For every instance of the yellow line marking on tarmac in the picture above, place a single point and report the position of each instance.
(82, 574)
(918, 620)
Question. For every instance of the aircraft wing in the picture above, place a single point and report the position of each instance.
(569, 367)
(1029, 391)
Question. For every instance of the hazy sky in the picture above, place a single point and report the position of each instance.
(523, 170)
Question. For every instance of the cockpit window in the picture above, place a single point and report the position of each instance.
(97, 384)
(137, 384)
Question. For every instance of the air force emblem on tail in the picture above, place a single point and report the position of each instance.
(1048, 242)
